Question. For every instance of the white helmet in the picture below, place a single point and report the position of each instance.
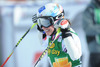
(50, 9)
(48, 13)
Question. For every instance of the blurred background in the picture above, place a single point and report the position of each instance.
(16, 19)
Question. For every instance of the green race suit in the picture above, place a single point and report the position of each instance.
(56, 52)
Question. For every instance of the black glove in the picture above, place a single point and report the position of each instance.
(66, 33)
(34, 18)
(41, 30)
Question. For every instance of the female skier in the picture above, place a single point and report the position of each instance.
(66, 49)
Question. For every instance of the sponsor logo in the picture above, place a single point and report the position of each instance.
(52, 46)
(53, 52)
(41, 9)
(64, 22)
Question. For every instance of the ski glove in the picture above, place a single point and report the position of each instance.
(41, 30)
(66, 33)
(34, 18)
(62, 23)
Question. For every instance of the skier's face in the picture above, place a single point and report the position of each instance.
(48, 30)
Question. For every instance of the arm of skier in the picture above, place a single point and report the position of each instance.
(71, 40)
(41, 35)
(73, 45)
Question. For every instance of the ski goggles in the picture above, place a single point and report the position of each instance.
(45, 21)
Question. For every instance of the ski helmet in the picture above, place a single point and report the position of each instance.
(49, 13)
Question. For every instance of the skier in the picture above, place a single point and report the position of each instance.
(66, 49)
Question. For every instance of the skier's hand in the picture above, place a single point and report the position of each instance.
(41, 30)
(66, 32)
(34, 18)
(62, 23)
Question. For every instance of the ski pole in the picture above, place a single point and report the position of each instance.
(18, 43)
(45, 51)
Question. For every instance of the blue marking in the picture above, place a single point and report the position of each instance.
(41, 9)
(54, 14)
(55, 7)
